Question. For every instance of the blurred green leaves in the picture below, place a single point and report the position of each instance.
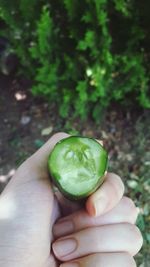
(58, 42)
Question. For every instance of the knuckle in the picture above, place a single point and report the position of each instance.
(117, 184)
(120, 183)
(135, 239)
(129, 202)
(139, 239)
(132, 210)
(107, 259)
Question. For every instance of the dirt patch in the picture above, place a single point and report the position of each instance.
(22, 119)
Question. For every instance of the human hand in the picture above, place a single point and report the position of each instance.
(29, 209)
(109, 240)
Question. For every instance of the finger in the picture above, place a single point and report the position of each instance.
(38, 165)
(35, 167)
(40, 157)
(124, 212)
(107, 196)
(107, 238)
(103, 260)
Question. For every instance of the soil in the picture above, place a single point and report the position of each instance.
(23, 118)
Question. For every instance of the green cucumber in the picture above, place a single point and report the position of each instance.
(77, 166)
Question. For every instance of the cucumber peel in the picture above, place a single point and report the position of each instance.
(77, 166)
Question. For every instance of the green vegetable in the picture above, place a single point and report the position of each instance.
(77, 166)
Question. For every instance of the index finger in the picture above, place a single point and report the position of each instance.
(40, 157)
(107, 196)
(36, 165)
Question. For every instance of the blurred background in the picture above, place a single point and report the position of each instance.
(82, 67)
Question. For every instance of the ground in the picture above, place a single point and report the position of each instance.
(26, 123)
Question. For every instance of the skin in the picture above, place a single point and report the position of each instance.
(36, 224)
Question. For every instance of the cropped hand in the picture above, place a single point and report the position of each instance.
(29, 209)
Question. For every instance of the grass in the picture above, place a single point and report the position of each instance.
(136, 173)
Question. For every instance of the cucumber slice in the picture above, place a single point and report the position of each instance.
(77, 166)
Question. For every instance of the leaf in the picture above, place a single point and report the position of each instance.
(47, 131)
(141, 222)
(132, 184)
(146, 209)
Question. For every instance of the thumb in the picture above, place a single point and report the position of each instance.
(106, 197)
(28, 200)
(31, 181)
(35, 167)
(40, 158)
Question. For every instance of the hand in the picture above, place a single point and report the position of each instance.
(29, 209)
(109, 240)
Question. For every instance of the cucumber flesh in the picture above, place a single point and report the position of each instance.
(77, 166)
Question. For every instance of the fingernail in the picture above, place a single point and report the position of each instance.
(100, 206)
(63, 228)
(64, 247)
(71, 264)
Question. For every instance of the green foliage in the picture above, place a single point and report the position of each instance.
(20, 18)
(46, 76)
(80, 58)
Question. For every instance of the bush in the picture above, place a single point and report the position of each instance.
(81, 55)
